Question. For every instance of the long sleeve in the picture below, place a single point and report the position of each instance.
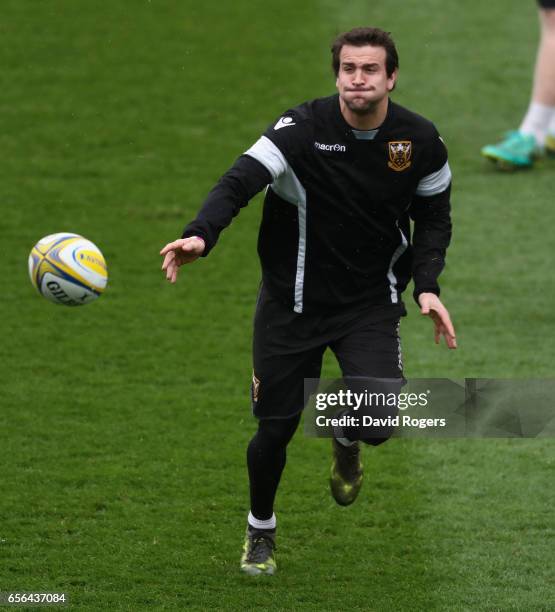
(231, 193)
(431, 237)
(431, 212)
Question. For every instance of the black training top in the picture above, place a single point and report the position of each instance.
(335, 231)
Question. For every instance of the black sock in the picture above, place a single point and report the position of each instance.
(266, 458)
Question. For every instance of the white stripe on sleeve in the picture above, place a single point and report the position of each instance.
(435, 183)
(287, 186)
(266, 152)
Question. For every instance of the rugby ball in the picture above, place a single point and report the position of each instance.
(68, 269)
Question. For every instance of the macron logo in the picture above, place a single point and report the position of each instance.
(333, 147)
(284, 122)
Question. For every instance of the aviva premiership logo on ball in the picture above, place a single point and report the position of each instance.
(68, 269)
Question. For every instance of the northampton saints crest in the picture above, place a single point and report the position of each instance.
(400, 153)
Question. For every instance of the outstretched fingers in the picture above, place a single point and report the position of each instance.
(167, 260)
(179, 252)
(171, 246)
(444, 327)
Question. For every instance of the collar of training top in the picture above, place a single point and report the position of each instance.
(347, 129)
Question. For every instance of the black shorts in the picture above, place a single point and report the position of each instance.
(289, 347)
(546, 4)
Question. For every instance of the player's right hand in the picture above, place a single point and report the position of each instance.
(179, 252)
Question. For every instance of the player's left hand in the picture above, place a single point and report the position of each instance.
(431, 306)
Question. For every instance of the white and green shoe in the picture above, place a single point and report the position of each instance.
(516, 151)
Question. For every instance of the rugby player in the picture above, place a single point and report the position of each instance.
(346, 173)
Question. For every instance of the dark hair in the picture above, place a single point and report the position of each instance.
(359, 37)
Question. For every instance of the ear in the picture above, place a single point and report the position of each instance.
(392, 80)
(337, 82)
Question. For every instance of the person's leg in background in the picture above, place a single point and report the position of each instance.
(536, 133)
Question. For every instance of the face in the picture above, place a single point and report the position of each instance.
(362, 80)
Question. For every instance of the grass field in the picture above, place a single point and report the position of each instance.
(124, 424)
